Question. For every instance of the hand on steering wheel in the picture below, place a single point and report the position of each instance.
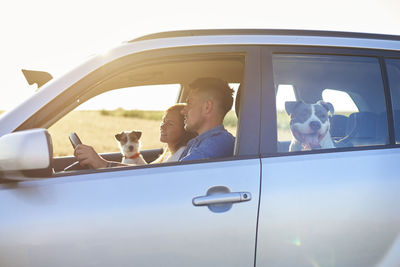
(73, 137)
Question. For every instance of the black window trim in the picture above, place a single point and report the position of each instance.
(388, 99)
(392, 119)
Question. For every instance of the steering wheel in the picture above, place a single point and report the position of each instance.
(74, 138)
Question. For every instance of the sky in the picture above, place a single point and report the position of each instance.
(55, 36)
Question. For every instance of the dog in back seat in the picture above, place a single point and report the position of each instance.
(129, 144)
(310, 125)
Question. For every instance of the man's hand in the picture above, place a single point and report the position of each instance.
(87, 156)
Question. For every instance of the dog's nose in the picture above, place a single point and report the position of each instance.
(315, 125)
(130, 148)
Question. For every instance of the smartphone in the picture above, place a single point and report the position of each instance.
(73, 137)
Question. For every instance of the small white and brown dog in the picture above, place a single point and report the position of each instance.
(129, 145)
(310, 125)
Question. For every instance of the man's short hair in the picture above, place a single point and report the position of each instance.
(216, 89)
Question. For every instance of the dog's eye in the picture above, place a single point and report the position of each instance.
(322, 116)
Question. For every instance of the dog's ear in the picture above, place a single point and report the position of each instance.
(328, 106)
(119, 136)
(291, 105)
(138, 134)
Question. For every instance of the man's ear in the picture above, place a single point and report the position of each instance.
(208, 105)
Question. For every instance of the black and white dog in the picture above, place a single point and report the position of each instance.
(310, 125)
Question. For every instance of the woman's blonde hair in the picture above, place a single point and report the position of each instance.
(186, 135)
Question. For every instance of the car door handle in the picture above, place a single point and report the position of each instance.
(224, 198)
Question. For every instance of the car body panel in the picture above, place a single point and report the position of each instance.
(333, 209)
(140, 217)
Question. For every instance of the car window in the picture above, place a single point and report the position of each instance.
(393, 68)
(100, 118)
(132, 97)
(339, 102)
(231, 120)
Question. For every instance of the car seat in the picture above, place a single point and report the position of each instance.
(338, 126)
(365, 128)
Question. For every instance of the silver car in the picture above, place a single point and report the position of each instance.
(265, 206)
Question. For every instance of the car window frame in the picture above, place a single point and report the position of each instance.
(385, 62)
(247, 133)
(269, 141)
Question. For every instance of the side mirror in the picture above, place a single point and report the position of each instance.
(26, 154)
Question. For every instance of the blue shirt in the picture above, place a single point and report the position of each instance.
(214, 143)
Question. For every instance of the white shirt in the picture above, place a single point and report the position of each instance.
(175, 156)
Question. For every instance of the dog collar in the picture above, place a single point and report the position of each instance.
(134, 156)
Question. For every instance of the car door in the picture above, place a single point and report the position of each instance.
(329, 207)
(201, 213)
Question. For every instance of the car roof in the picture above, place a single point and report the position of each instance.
(311, 33)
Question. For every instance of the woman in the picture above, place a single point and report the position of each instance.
(173, 133)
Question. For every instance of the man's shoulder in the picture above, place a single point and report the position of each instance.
(220, 136)
(215, 144)
(218, 141)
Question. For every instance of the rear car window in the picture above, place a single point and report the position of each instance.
(349, 94)
(393, 69)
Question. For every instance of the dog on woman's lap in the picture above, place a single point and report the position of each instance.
(310, 125)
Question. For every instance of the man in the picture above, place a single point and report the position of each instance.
(208, 102)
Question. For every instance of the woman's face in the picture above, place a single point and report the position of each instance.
(171, 128)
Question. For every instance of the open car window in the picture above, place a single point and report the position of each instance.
(98, 120)
(132, 97)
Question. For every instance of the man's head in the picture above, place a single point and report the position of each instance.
(208, 102)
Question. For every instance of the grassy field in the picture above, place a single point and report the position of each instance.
(97, 128)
